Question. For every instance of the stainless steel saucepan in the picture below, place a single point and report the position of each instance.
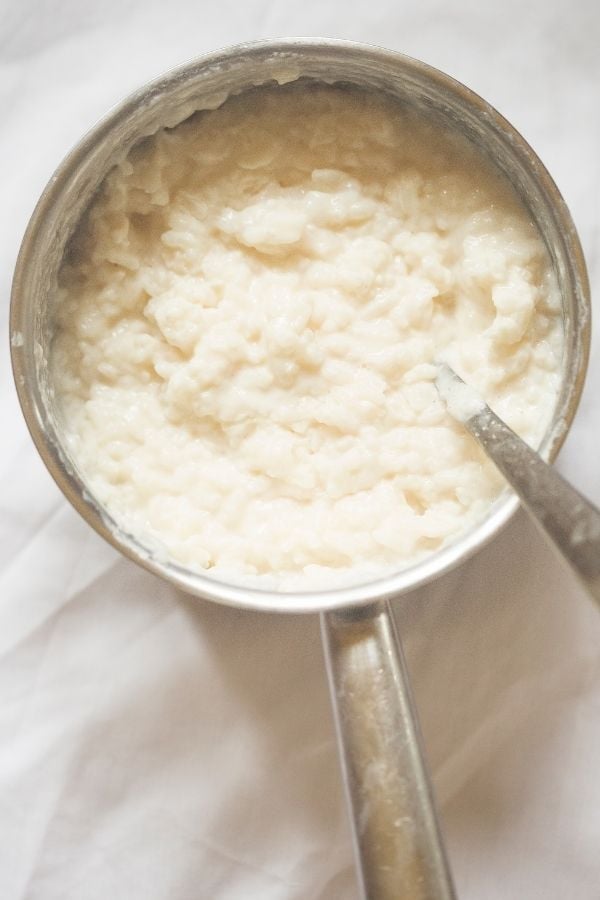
(398, 844)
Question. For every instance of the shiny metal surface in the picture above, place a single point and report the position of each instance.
(358, 655)
(397, 837)
(568, 519)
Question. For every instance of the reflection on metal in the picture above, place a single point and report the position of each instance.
(399, 850)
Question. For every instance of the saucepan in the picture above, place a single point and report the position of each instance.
(398, 844)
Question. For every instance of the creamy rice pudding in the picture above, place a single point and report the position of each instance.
(247, 327)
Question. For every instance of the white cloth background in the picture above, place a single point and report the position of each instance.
(157, 747)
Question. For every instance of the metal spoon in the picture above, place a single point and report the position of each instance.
(570, 521)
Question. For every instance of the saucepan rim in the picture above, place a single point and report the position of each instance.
(284, 52)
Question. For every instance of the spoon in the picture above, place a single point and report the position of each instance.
(571, 522)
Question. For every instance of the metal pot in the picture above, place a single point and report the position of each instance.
(397, 839)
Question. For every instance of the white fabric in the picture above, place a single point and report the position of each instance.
(156, 747)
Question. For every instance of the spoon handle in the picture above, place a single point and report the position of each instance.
(570, 521)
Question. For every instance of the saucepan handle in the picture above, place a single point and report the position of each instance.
(398, 843)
